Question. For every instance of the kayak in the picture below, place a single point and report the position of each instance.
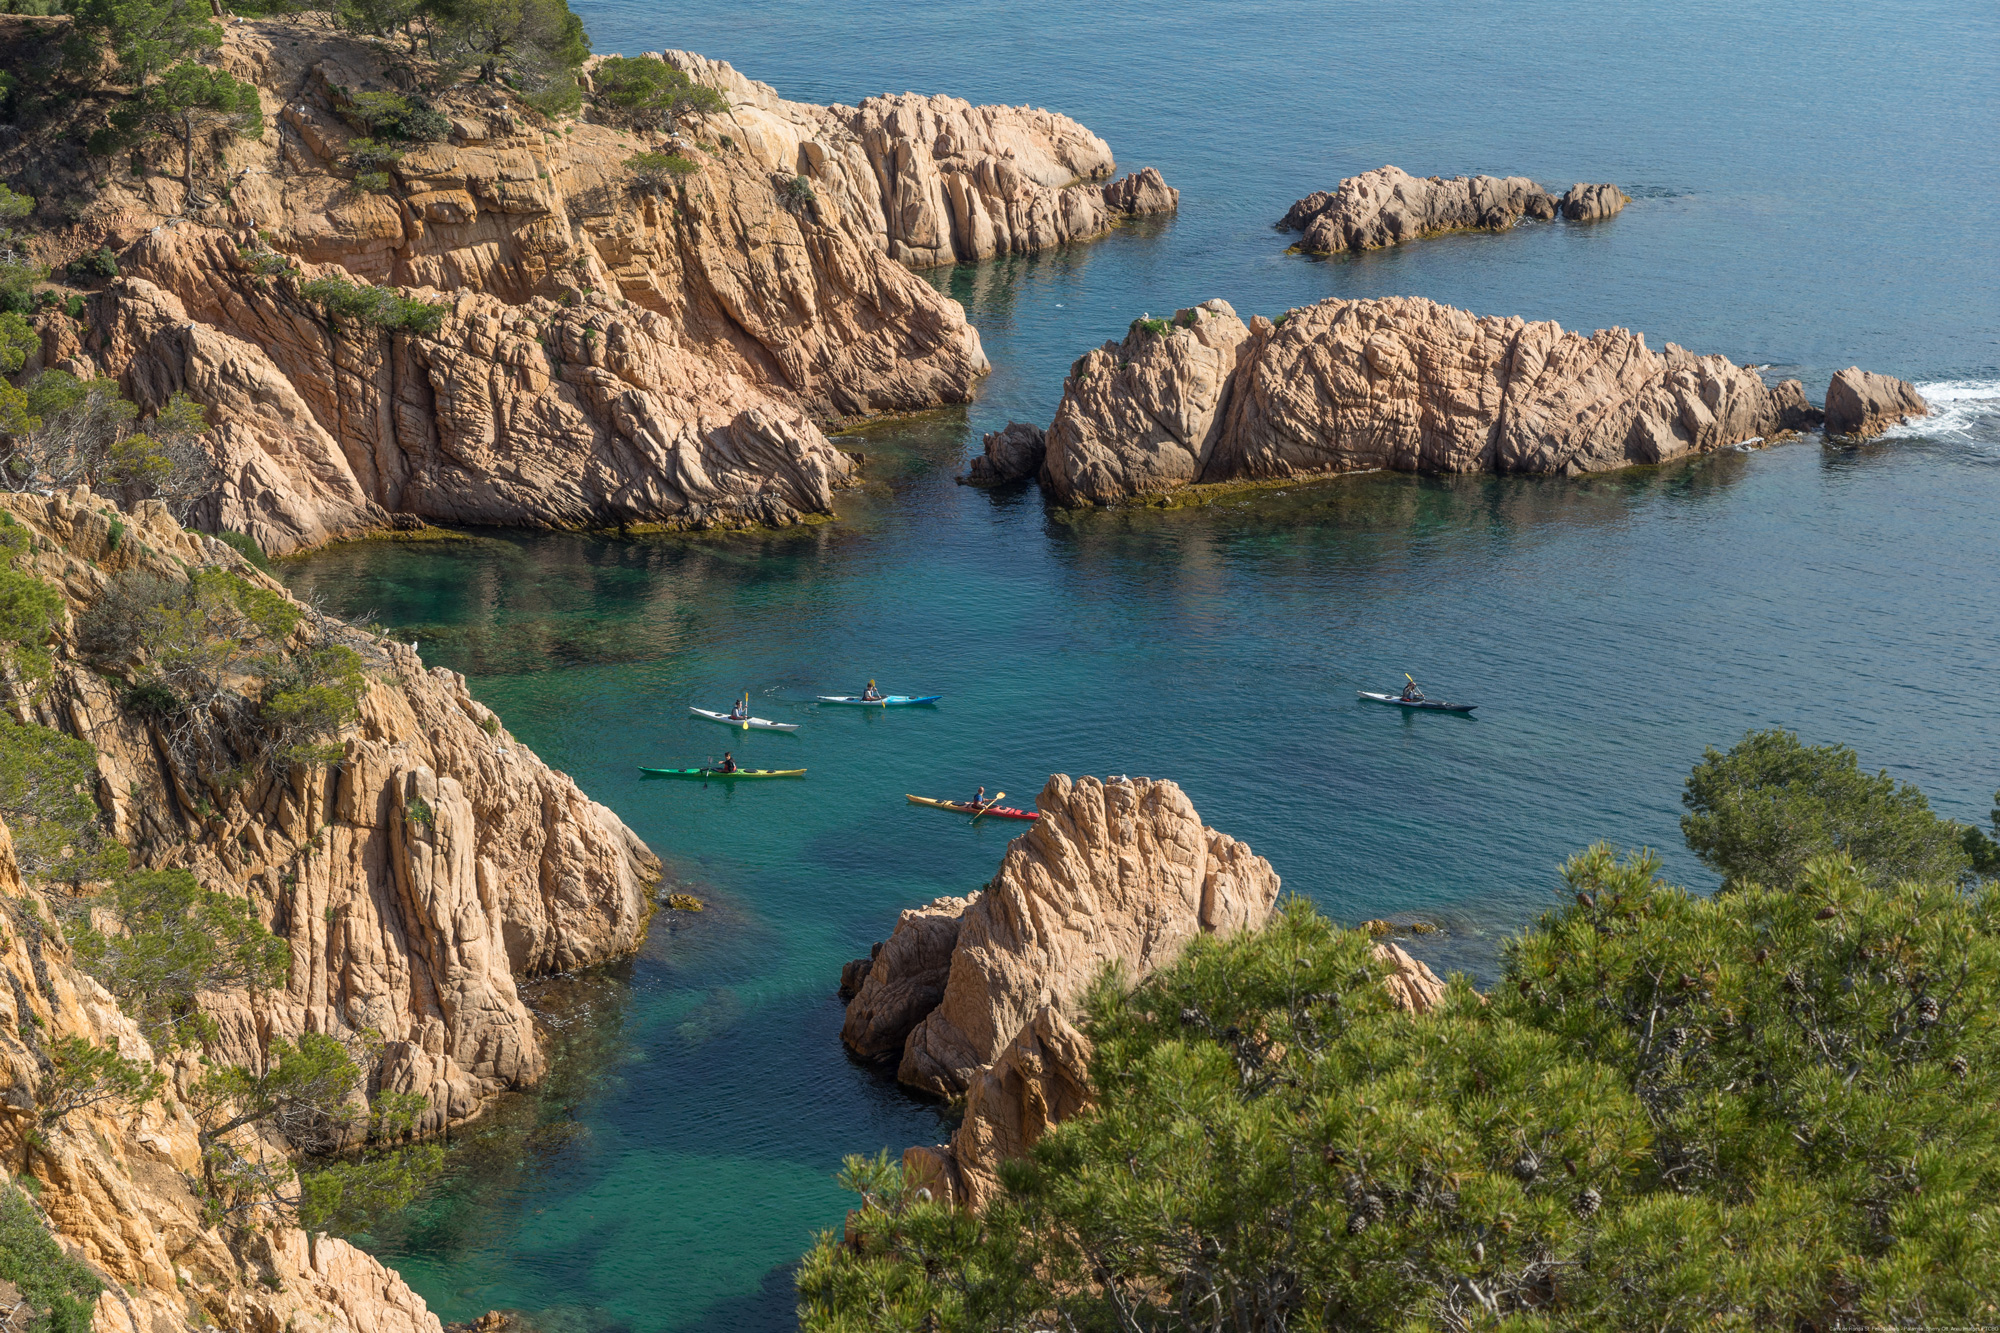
(706, 773)
(967, 807)
(1426, 705)
(886, 701)
(745, 723)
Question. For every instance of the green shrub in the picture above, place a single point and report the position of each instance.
(372, 155)
(176, 940)
(63, 1290)
(797, 192)
(94, 268)
(375, 182)
(83, 1074)
(1157, 327)
(246, 546)
(1763, 811)
(389, 115)
(48, 784)
(379, 306)
(647, 93)
(419, 812)
(656, 171)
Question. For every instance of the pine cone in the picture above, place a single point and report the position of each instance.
(1527, 1166)
(1357, 1223)
(1928, 1011)
(1960, 1066)
(1588, 1202)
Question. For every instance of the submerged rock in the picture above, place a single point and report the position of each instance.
(1399, 383)
(1860, 403)
(1011, 454)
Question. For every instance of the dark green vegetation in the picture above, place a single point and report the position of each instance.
(379, 306)
(1772, 1108)
(63, 1289)
(649, 94)
(655, 172)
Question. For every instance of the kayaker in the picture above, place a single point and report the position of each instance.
(871, 694)
(980, 799)
(740, 710)
(1411, 694)
(728, 764)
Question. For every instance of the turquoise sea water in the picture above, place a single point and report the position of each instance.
(1814, 185)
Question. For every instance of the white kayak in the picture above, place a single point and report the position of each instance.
(745, 723)
(1425, 705)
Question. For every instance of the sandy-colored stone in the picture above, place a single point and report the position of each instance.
(1143, 416)
(612, 356)
(1388, 206)
(903, 980)
(1410, 981)
(1120, 871)
(1860, 403)
(1399, 383)
(1591, 203)
(415, 882)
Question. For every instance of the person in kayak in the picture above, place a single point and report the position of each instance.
(871, 694)
(980, 799)
(1411, 694)
(740, 710)
(728, 764)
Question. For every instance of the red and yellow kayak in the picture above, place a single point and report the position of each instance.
(967, 807)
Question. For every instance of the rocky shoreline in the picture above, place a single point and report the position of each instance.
(1396, 383)
(605, 354)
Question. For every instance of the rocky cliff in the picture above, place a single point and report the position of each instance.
(1400, 383)
(976, 996)
(415, 879)
(1388, 206)
(112, 1183)
(611, 351)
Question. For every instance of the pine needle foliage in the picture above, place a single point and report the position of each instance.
(1771, 1109)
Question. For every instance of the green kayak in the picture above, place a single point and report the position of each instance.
(718, 773)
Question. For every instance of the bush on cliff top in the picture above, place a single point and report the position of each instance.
(1773, 1108)
(379, 306)
(647, 93)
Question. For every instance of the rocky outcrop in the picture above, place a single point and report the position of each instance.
(1011, 454)
(1591, 203)
(1860, 404)
(112, 1180)
(1144, 416)
(612, 352)
(936, 179)
(415, 881)
(1399, 383)
(1388, 206)
(1117, 872)
(1142, 193)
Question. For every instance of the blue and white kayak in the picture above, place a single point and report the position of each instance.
(745, 723)
(1422, 705)
(886, 701)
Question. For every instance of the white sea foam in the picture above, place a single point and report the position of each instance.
(1962, 411)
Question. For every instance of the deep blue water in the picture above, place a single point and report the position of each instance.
(1814, 186)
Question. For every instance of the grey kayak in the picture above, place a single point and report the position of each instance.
(1426, 705)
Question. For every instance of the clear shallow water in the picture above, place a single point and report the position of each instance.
(1611, 627)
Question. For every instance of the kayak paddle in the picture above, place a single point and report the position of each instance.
(988, 806)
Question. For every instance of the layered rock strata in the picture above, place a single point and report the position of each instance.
(611, 352)
(1860, 404)
(112, 1180)
(1388, 206)
(1399, 383)
(415, 881)
(980, 994)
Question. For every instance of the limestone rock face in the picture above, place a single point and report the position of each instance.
(1399, 383)
(904, 979)
(415, 882)
(1590, 203)
(1141, 193)
(1860, 403)
(935, 178)
(113, 1179)
(1113, 871)
(1144, 415)
(1388, 206)
(1011, 454)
